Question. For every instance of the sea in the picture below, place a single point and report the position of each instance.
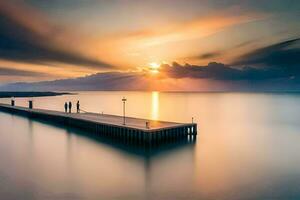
(247, 148)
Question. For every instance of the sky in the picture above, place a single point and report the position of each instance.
(197, 44)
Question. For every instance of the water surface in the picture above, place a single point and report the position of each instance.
(247, 148)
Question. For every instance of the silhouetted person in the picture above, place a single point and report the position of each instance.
(78, 107)
(66, 107)
(70, 106)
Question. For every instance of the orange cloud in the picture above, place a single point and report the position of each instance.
(196, 28)
(27, 36)
(75, 53)
(157, 43)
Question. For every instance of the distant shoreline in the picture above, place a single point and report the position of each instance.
(31, 94)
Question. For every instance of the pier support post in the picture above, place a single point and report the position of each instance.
(30, 105)
(195, 130)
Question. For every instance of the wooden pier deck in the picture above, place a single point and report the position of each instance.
(112, 125)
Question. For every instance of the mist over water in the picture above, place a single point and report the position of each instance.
(247, 148)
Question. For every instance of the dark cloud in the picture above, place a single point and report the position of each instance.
(235, 80)
(16, 72)
(219, 53)
(209, 55)
(219, 71)
(277, 61)
(25, 36)
(284, 55)
(99, 81)
(244, 44)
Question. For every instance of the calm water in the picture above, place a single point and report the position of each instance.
(248, 147)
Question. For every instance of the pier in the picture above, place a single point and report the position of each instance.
(139, 131)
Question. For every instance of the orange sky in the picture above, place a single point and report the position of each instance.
(128, 36)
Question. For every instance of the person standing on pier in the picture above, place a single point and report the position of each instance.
(78, 107)
(66, 107)
(70, 106)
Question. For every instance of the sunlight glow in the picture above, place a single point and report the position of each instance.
(155, 106)
(154, 67)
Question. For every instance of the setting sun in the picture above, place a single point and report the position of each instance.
(154, 67)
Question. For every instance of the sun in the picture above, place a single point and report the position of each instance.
(154, 67)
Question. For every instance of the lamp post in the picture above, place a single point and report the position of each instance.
(124, 101)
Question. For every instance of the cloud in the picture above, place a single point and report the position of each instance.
(209, 55)
(220, 71)
(194, 78)
(277, 61)
(27, 36)
(99, 81)
(205, 56)
(175, 77)
(284, 55)
(4, 71)
(198, 27)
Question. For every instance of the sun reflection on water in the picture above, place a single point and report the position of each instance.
(155, 106)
